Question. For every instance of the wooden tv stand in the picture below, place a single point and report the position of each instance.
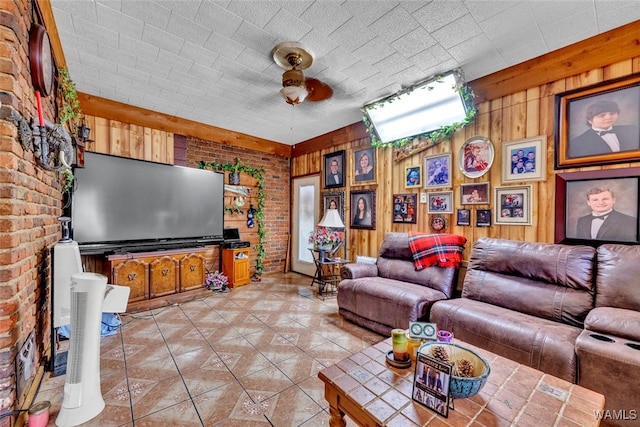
(159, 278)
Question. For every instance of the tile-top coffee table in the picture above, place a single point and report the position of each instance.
(372, 393)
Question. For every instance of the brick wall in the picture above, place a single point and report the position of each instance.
(277, 204)
(30, 202)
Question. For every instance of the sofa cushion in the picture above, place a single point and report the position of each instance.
(617, 280)
(539, 343)
(389, 302)
(550, 281)
(443, 250)
(618, 322)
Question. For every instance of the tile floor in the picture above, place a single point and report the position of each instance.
(249, 357)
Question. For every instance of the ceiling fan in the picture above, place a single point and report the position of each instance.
(294, 58)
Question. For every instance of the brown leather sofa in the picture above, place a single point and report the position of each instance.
(609, 348)
(525, 301)
(391, 293)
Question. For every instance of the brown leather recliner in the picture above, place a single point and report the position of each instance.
(524, 301)
(391, 293)
(609, 348)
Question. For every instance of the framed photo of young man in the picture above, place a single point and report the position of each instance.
(599, 124)
(363, 166)
(363, 209)
(596, 207)
(334, 169)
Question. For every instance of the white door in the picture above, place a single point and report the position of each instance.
(306, 195)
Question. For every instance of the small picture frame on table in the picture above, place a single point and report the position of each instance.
(431, 383)
(483, 218)
(405, 208)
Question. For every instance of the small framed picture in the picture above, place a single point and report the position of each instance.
(437, 171)
(334, 169)
(464, 217)
(525, 159)
(333, 200)
(474, 194)
(363, 209)
(363, 166)
(483, 218)
(438, 224)
(440, 202)
(513, 205)
(405, 208)
(431, 383)
(476, 157)
(413, 175)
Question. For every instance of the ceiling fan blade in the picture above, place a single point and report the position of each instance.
(318, 91)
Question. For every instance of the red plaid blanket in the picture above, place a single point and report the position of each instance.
(445, 250)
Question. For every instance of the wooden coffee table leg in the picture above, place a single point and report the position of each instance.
(336, 418)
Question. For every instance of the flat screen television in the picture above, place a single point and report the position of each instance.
(122, 204)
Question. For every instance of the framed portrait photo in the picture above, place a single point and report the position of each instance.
(525, 159)
(333, 200)
(476, 157)
(483, 218)
(413, 176)
(595, 207)
(405, 208)
(363, 209)
(599, 124)
(334, 170)
(513, 205)
(474, 194)
(437, 171)
(440, 202)
(363, 166)
(464, 217)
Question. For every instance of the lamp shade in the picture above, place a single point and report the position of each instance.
(294, 94)
(331, 219)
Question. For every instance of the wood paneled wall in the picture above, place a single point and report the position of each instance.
(520, 114)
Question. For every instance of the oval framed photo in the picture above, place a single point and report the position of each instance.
(476, 157)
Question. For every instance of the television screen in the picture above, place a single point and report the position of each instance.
(120, 202)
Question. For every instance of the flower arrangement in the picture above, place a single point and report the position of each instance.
(216, 281)
(322, 236)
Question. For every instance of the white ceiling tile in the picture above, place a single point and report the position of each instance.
(326, 16)
(254, 38)
(457, 31)
(514, 19)
(198, 54)
(133, 74)
(614, 14)
(438, 14)
(218, 19)
(414, 42)
(162, 39)
(374, 51)
(115, 56)
(119, 22)
(295, 7)
(258, 16)
(548, 13)
(99, 34)
(395, 24)
(430, 57)
(393, 64)
(223, 46)
(482, 10)
(286, 27)
(150, 13)
(137, 47)
(472, 49)
(187, 29)
(367, 15)
(319, 44)
(351, 35)
(188, 9)
(569, 30)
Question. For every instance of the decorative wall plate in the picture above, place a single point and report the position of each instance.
(476, 157)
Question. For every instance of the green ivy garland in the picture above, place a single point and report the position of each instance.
(256, 173)
(435, 136)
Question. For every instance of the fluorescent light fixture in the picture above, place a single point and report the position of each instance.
(421, 109)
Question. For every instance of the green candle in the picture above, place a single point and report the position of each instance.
(399, 343)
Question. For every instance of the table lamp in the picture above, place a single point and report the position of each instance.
(331, 219)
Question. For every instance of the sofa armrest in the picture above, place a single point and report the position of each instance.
(356, 270)
(618, 322)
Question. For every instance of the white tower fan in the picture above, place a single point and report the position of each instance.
(82, 395)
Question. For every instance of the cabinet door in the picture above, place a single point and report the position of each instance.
(191, 272)
(241, 269)
(133, 273)
(164, 276)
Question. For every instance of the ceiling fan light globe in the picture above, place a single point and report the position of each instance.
(293, 95)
